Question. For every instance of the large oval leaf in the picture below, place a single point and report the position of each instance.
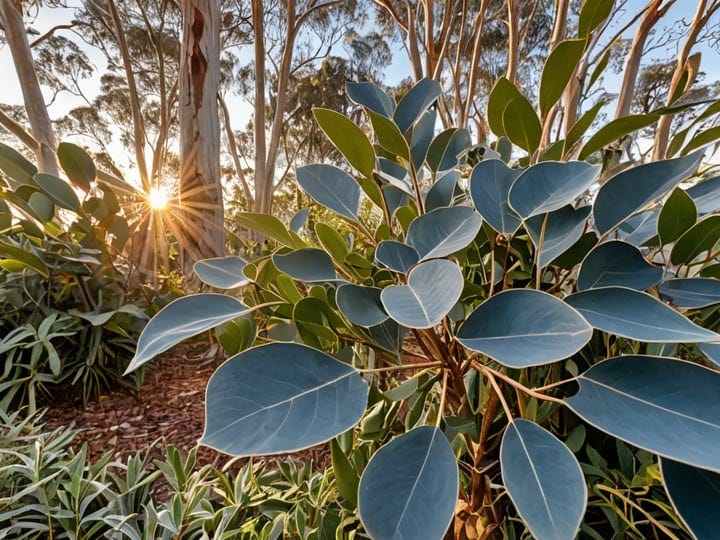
(396, 256)
(524, 327)
(281, 397)
(699, 238)
(635, 188)
(706, 196)
(521, 124)
(544, 481)
(442, 191)
(678, 214)
(691, 293)
(331, 187)
(306, 264)
(667, 406)
(490, 183)
(639, 229)
(558, 69)
(563, 228)
(617, 263)
(695, 494)
(59, 191)
(183, 318)
(371, 96)
(77, 164)
(17, 168)
(443, 231)
(550, 185)
(348, 138)
(409, 488)
(361, 305)
(222, 272)
(637, 315)
(615, 129)
(432, 289)
(415, 102)
(446, 147)
(389, 135)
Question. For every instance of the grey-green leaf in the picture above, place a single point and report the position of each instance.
(490, 183)
(433, 288)
(563, 228)
(331, 187)
(544, 481)
(706, 196)
(415, 102)
(617, 263)
(183, 318)
(667, 406)
(691, 293)
(371, 96)
(361, 305)
(396, 256)
(523, 327)
(635, 188)
(550, 185)
(222, 272)
(59, 191)
(306, 264)
(443, 231)
(409, 488)
(442, 191)
(281, 397)
(637, 315)
(695, 494)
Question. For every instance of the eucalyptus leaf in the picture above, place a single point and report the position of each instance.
(558, 68)
(562, 228)
(442, 191)
(691, 293)
(361, 305)
(617, 263)
(663, 405)
(222, 272)
(269, 226)
(490, 183)
(409, 488)
(521, 124)
(443, 231)
(348, 138)
(59, 191)
(331, 187)
(422, 136)
(699, 238)
(299, 219)
(706, 196)
(306, 264)
(550, 185)
(280, 398)
(677, 215)
(445, 149)
(183, 318)
(637, 315)
(523, 327)
(77, 164)
(544, 481)
(433, 288)
(396, 256)
(371, 96)
(414, 103)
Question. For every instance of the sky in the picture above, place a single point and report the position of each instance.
(241, 111)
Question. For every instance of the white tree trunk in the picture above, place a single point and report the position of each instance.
(12, 22)
(200, 188)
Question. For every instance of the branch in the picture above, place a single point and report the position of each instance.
(50, 32)
(19, 131)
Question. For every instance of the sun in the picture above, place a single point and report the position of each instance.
(158, 198)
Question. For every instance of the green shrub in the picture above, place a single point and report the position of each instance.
(66, 311)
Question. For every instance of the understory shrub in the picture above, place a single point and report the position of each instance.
(493, 349)
(67, 313)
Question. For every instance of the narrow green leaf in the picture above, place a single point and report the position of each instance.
(616, 129)
(678, 214)
(77, 164)
(18, 169)
(348, 138)
(24, 258)
(269, 226)
(59, 191)
(582, 125)
(389, 135)
(521, 124)
(703, 138)
(558, 69)
(347, 479)
(699, 238)
(592, 14)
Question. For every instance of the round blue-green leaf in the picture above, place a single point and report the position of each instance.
(442, 191)
(443, 231)
(711, 351)
(635, 188)
(699, 238)
(637, 315)
(691, 293)
(332, 187)
(222, 272)
(432, 289)
(667, 406)
(563, 228)
(415, 102)
(617, 263)
(396, 256)
(544, 481)
(524, 327)
(550, 185)
(183, 318)
(422, 136)
(446, 147)
(706, 196)
(299, 219)
(490, 183)
(695, 494)
(306, 264)
(371, 96)
(361, 305)
(281, 397)
(409, 488)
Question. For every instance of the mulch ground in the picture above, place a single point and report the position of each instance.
(169, 409)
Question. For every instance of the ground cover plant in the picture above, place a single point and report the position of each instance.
(542, 322)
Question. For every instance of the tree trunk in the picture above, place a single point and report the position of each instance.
(12, 22)
(201, 200)
(261, 187)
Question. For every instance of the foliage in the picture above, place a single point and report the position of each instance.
(533, 315)
(64, 310)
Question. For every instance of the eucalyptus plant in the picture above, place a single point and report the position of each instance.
(468, 315)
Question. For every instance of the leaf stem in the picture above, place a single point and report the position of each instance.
(441, 408)
(512, 382)
(398, 368)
